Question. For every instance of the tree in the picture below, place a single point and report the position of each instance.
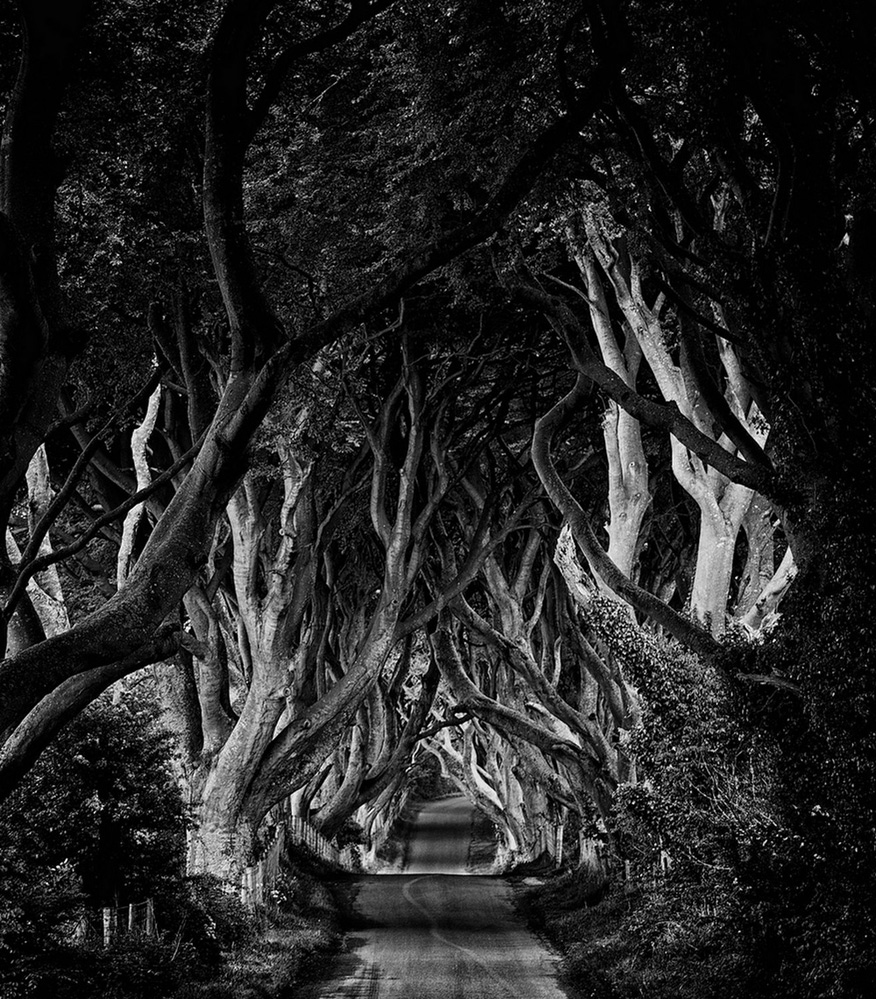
(609, 404)
(104, 801)
(43, 684)
(729, 166)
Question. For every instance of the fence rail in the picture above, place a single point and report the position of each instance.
(302, 832)
(257, 880)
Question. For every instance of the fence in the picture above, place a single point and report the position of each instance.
(138, 918)
(302, 832)
(111, 922)
(257, 880)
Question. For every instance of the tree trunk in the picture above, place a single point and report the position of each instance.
(716, 546)
(220, 845)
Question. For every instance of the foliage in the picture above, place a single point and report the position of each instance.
(741, 907)
(197, 923)
(38, 909)
(97, 822)
(208, 946)
(734, 149)
(706, 778)
(104, 802)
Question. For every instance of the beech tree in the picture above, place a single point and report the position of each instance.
(44, 683)
(736, 178)
(585, 314)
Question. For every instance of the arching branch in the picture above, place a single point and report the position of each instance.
(680, 627)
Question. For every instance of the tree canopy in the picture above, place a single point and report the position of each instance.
(487, 382)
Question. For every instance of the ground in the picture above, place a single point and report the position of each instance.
(438, 930)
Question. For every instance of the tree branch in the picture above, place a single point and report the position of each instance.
(684, 630)
(656, 414)
(36, 565)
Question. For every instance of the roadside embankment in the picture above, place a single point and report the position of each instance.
(663, 939)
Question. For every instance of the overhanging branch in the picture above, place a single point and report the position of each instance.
(665, 415)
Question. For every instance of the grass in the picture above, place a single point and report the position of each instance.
(293, 947)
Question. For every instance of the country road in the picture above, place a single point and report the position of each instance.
(434, 932)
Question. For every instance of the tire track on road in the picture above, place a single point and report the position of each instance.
(436, 934)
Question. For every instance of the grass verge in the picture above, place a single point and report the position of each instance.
(294, 945)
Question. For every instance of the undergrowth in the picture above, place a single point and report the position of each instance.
(208, 947)
(658, 940)
(683, 938)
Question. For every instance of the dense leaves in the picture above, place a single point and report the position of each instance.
(103, 805)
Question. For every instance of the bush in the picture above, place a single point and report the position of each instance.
(101, 798)
(209, 918)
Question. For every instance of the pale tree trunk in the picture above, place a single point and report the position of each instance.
(629, 494)
(551, 792)
(343, 799)
(762, 614)
(384, 785)
(577, 764)
(223, 823)
(221, 847)
(45, 592)
(720, 520)
(48, 594)
(722, 504)
(314, 657)
(232, 750)
(139, 454)
(526, 806)
(296, 707)
(510, 788)
(518, 604)
(763, 585)
(477, 786)
(377, 818)
(757, 524)
(139, 443)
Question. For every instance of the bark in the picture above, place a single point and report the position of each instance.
(722, 503)
(43, 610)
(211, 688)
(515, 650)
(178, 544)
(469, 699)
(177, 694)
(342, 804)
(46, 591)
(386, 772)
(666, 416)
(762, 613)
(628, 490)
(760, 560)
(223, 846)
(681, 628)
(289, 724)
(139, 441)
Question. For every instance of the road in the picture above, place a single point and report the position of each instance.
(435, 932)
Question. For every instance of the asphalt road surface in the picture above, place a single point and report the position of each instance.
(435, 932)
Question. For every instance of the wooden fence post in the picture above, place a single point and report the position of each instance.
(109, 925)
(150, 918)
